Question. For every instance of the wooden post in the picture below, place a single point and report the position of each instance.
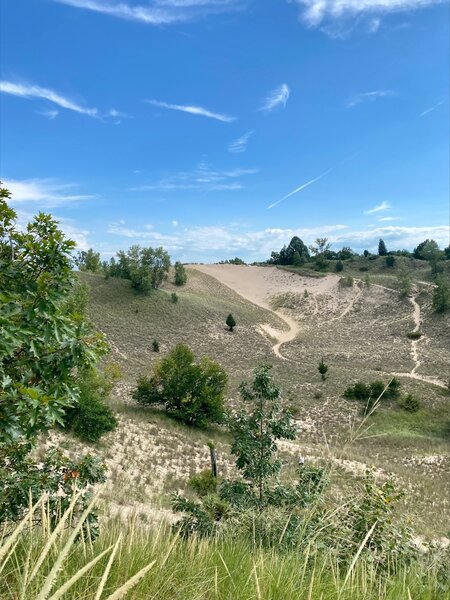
(213, 455)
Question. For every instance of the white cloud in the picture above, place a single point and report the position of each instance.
(35, 91)
(174, 223)
(203, 178)
(50, 114)
(384, 219)
(358, 98)
(379, 208)
(209, 243)
(156, 12)
(240, 145)
(277, 97)
(316, 12)
(43, 192)
(193, 110)
(431, 109)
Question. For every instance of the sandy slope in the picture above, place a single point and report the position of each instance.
(259, 284)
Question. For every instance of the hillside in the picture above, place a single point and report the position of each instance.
(360, 331)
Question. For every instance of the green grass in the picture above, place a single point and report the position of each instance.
(139, 563)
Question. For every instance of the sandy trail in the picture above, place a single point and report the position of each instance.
(259, 284)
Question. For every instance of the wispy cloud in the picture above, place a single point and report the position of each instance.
(156, 12)
(240, 145)
(277, 97)
(368, 96)
(300, 188)
(379, 208)
(431, 109)
(215, 242)
(50, 114)
(203, 178)
(316, 12)
(24, 90)
(384, 219)
(193, 110)
(43, 192)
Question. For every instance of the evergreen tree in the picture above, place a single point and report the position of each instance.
(180, 274)
(441, 295)
(382, 250)
(231, 323)
(323, 369)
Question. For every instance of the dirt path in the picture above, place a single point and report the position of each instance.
(417, 318)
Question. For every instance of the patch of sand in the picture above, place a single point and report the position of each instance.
(260, 284)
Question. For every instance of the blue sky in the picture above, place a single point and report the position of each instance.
(219, 128)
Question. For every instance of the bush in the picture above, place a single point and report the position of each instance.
(390, 261)
(180, 274)
(155, 346)
(174, 297)
(191, 392)
(339, 266)
(230, 322)
(370, 392)
(410, 403)
(203, 483)
(414, 335)
(91, 418)
(441, 296)
(346, 281)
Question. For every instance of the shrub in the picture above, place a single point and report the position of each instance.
(410, 403)
(91, 418)
(339, 266)
(370, 392)
(390, 261)
(203, 483)
(174, 297)
(191, 392)
(155, 346)
(180, 274)
(414, 335)
(323, 369)
(441, 296)
(346, 281)
(230, 322)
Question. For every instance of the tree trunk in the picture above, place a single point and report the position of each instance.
(212, 452)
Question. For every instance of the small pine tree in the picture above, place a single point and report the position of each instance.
(174, 298)
(441, 296)
(339, 266)
(323, 369)
(180, 274)
(382, 250)
(231, 323)
(155, 346)
(410, 403)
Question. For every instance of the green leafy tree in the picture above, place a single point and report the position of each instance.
(146, 268)
(382, 250)
(256, 430)
(323, 369)
(230, 322)
(320, 249)
(441, 295)
(88, 260)
(191, 392)
(41, 345)
(390, 261)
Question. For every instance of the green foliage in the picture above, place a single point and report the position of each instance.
(390, 261)
(286, 255)
(414, 335)
(405, 282)
(77, 301)
(24, 480)
(410, 403)
(42, 342)
(191, 392)
(233, 261)
(323, 369)
(256, 430)
(382, 250)
(441, 295)
(174, 297)
(370, 392)
(88, 260)
(203, 483)
(339, 266)
(91, 418)
(346, 281)
(155, 346)
(230, 322)
(146, 268)
(180, 274)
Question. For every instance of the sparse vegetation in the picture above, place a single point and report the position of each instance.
(410, 403)
(441, 296)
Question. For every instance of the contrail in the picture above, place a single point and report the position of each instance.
(300, 188)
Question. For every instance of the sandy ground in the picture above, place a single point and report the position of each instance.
(260, 284)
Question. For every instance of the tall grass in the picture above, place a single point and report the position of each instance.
(133, 562)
